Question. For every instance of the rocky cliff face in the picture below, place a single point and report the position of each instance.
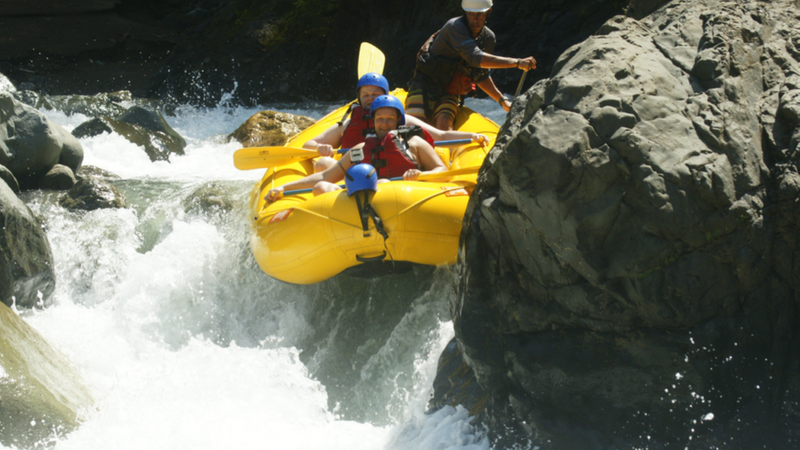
(630, 265)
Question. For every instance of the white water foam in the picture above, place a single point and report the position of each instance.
(154, 332)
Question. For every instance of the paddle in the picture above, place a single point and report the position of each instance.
(521, 82)
(263, 157)
(422, 177)
(370, 59)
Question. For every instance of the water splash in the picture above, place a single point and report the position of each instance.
(185, 343)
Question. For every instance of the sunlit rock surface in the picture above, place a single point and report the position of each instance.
(270, 128)
(6, 85)
(41, 394)
(26, 260)
(630, 265)
(31, 144)
(91, 193)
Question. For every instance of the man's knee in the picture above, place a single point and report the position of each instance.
(324, 163)
(444, 122)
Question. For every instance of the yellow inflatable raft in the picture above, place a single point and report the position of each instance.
(304, 239)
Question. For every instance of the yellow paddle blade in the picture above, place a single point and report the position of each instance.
(261, 157)
(370, 59)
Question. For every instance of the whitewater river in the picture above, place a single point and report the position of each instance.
(186, 344)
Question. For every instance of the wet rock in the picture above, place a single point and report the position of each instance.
(9, 178)
(455, 383)
(92, 128)
(30, 144)
(209, 198)
(6, 85)
(629, 258)
(59, 178)
(151, 120)
(90, 193)
(26, 261)
(96, 172)
(89, 105)
(270, 128)
(32, 99)
(41, 392)
(143, 127)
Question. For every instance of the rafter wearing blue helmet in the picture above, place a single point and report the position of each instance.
(406, 152)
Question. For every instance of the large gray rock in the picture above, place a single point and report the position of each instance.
(90, 193)
(40, 392)
(60, 177)
(26, 261)
(103, 104)
(30, 144)
(6, 85)
(630, 268)
(9, 178)
(141, 126)
(268, 128)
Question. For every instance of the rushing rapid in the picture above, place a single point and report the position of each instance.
(185, 343)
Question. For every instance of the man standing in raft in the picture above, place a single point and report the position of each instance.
(453, 61)
(353, 131)
(393, 150)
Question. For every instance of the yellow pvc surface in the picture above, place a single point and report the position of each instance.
(304, 239)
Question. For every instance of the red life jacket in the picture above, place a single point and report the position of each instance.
(359, 127)
(390, 156)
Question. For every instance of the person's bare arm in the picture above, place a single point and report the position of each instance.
(490, 61)
(491, 90)
(332, 174)
(328, 140)
(449, 135)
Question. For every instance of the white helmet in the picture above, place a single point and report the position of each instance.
(476, 5)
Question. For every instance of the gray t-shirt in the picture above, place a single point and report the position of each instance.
(455, 42)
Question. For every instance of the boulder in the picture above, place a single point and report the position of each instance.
(629, 273)
(90, 193)
(27, 276)
(96, 173)
(59, 178)
(141, 126)
(32, 98)
(30, 144)
(103, 104)
(9, 178)
(6, 85)
(270, 128)
(40, 392)
(212, 197)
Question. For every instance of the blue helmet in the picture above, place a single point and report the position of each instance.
(373, 79)
(361, 177)
(389, 101)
